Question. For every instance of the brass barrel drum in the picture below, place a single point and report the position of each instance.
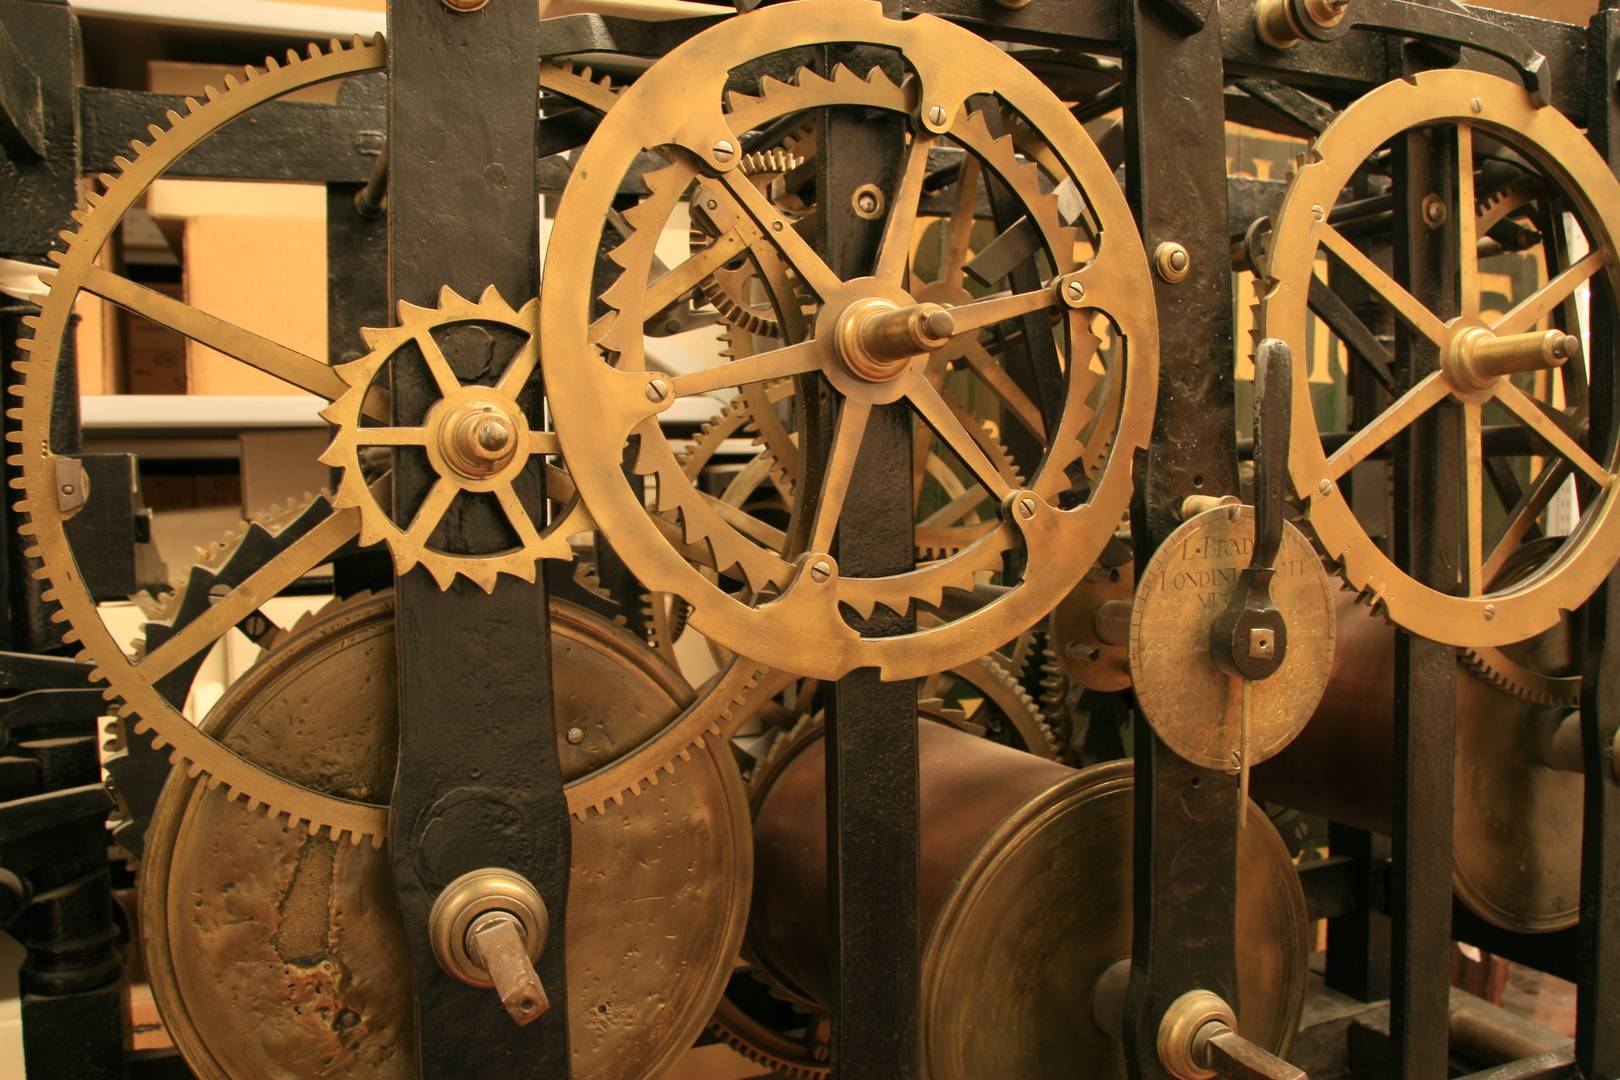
(1025, 903)
(276, 954)
(1516, 841)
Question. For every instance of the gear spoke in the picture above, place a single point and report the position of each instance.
(1467, 235)
(747, 524)
(443, 375)
(894, 252)
(1001, 384)
(799, 254)
(939, 415)
(431, 512)
(1523, 516)
(520, 367)
(672, 285)
(1406, 305)
(1473, 496)
(392, 436)
(518, 515)
(1521, 405)
(969, 318)
(962, 220)
(265, 583)
(255, 350)
(1538, 305)
(762, 367)
(1432, 388)
(846, 447)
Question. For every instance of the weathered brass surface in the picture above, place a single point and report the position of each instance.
(43, 522)
(476, 438)
(1090, 629)
(1516, 856)
(681, 102)
(1194, 706)
(487, 928)
(277, 954)
(1466, 103)
(1026, 902)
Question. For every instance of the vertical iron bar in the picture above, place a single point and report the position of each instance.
(478, 783)
(872, 796)
(1426, 539)
(1597, 1009)
(1185, 872)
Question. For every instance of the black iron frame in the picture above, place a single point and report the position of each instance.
(1182, 57)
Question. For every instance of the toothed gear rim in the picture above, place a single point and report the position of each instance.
(42, 525)
(596, 406)
(1465, 100)
(410, 543)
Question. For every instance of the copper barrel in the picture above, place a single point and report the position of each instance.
(1025, 902)
(1516, 859)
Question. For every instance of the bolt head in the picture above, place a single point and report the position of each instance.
(575, 736)
(867, 201)
(723, 151)
(1434, 211)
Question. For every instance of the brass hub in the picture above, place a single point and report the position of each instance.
(478, 439)
(1476, 358)
(876, 339)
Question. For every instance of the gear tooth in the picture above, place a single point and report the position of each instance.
(293, 57)
(138, 147)
(271, 64)
(123, 164)
(192, 105)
(157, 132)
(56, 256)
(211, 92)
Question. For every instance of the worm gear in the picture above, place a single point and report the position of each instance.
(604, 399)
(1505, 364)
(476, 436)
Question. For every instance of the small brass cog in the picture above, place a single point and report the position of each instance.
(476, 437)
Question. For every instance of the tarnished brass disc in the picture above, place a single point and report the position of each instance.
(1045, 908)
(276, 955)
(1194, 706)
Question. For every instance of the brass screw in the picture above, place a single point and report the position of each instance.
(1026, 506)
(575, 736)
(936, 116)
(867, 201)
(1172, 262)
(464, 7)
(1325, 487)
(1074, 292)
(724, 151)
(1490, 612)
(820, 571)
(1434, 211)
(1317, 213)
(1477, 105)
(657, 390)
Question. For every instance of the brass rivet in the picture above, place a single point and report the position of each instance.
(575, 736)
(1172, 261)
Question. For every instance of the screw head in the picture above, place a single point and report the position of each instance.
(723, 151)
(935, 117)
(1026, 506)
(1477, 105)
(713, 204)
(1325, 487)
(657, 390)
(67, 489)
(1434, 211)
(1074, 292)
(1317, 213)
(820, 570)
(575, 736)
(1490, 612)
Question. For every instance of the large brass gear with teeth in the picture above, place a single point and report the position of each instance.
(477, 438)
(133, 681)
(794, 618)
(1471, 108)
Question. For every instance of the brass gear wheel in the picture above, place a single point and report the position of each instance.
(476, 437)
(133, 681)
(734, 289)
(1475, 107)
(794, 617)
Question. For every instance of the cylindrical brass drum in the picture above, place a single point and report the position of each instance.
(1025, 902)
(275, 955)
(1516, 860)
